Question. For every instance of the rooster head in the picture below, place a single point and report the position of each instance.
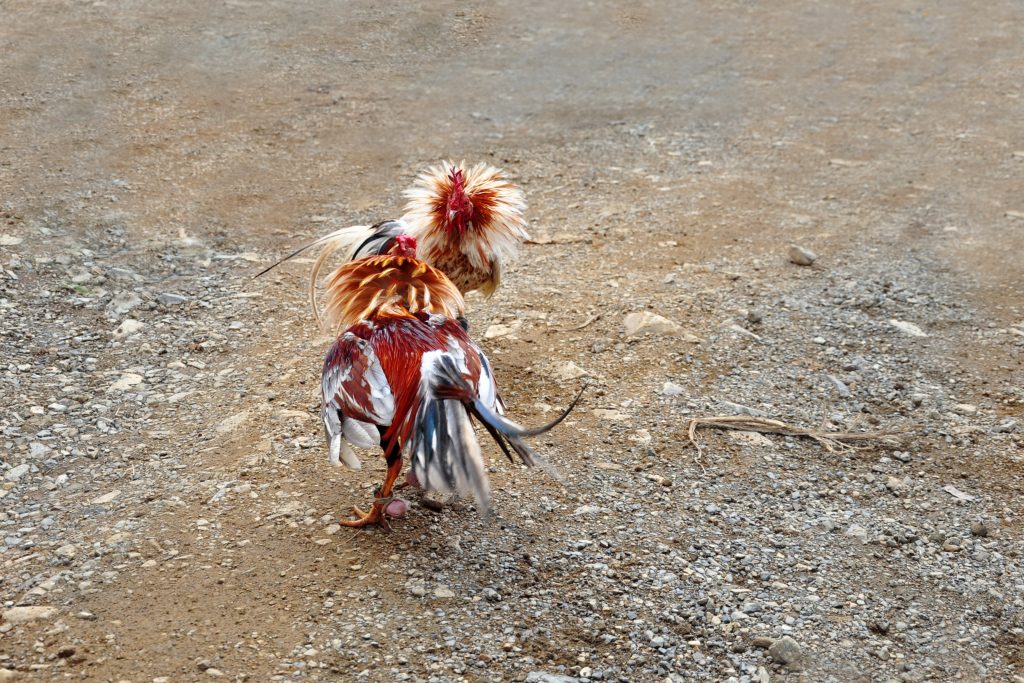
(459, 208)
(474, 209)
(403, 245)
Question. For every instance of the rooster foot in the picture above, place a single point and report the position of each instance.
(376, 515)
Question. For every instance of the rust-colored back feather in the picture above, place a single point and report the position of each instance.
(388, 285)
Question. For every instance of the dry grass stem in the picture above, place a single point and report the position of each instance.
(832, 441)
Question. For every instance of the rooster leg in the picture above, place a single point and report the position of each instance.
(410, 480)
(383, 496)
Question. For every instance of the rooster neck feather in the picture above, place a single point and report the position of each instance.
(389, 286)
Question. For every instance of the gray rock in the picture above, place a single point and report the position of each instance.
(16, 473)
(168, 299)
(787, 652)
(545, 677)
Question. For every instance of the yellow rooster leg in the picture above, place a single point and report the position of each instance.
(377, 514)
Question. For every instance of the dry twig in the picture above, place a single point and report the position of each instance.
(832, 441)
(586, 323)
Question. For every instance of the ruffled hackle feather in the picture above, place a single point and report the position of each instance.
(468, 221)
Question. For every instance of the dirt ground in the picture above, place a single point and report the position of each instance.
(165, 500)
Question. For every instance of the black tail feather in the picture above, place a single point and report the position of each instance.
(289, 256)
(380, 237)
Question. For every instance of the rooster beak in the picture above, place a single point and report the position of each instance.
(451, 215)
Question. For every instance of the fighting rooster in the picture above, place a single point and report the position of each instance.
(467, 221)
(405, 375)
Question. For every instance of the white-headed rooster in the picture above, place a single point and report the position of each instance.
(468, 221)
(405, 375)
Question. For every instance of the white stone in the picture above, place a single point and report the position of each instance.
(645, 322)
(105, 498)
(128, 327)
(23, 615)
(909, 329)
(126, 382)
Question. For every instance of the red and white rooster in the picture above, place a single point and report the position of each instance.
(468, 221)
(405, 375)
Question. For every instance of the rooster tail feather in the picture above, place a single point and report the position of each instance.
(290, 256)
(445, 454)
(443, 449)
(454, 462)
(507, 433)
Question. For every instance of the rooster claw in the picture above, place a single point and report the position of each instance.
(376, 515)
